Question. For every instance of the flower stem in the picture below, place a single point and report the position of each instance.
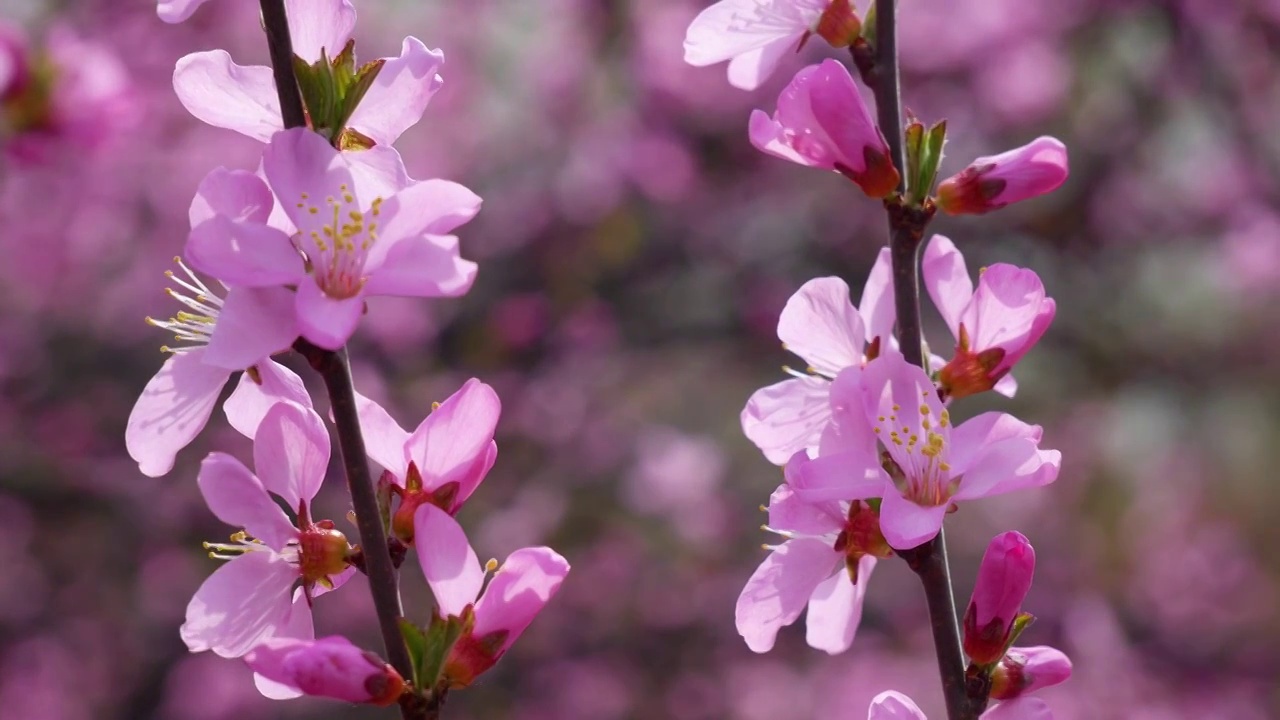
(335, 370)
(906, 230)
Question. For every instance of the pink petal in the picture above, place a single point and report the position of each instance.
(175, 11)
(947, 280)
(291, 452)
(779, 589)
(226, 95)
(898, 399)
(971, 438)
(250, 402)
(997, 453)
(835, 609)
(384, 439)
(304, 170)
(452, 443)
(906, 524)
(748, 70)
(238, 499)
(523, 585)
(330, 667)
(448, 562)
(711, 37)
(378, 172)
(1006, 386)
(1024, 708)
(850, 475)
(400, 93)
(323, 320)
(821, 325)
(877, 301)
(238, 194)
(836, 107)
(297, 626)
(788, 512)
(787, 417)
(427, 207)
(893, 705)
(1004, 308)
(317, 24)
(241, 603)
(247, 254)
(424, 266)
(768, 136)
(254, 323)
(848, 429)
(172, 409)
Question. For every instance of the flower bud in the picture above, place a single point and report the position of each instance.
(330, 667)
(839, 24)
(990, 183)
(823, 122)
(1024, 670)
(322, 551)
(1003, 581)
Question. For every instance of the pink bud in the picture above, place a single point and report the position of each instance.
(822, 122)
(990, 183)
(1003, 581)
(1024, 670)
(330, 667)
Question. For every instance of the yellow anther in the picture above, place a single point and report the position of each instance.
(896, 407)
(313, 210)
(924, 409)
(491, 565)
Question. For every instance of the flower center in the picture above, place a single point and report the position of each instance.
(194, 325)
(337, 249)
(918, 465)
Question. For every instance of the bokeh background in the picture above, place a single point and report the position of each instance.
(635, 252)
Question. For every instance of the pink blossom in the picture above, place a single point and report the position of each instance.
(240, 98)
(822, 326)
(994, 326)
(1023, 670)
(933, 464)
(446, 457)
(518, 591)
(350, 244)
(823, 122)
(251, 597)
(1004, 577)
(825, 564)
(330, 667)
(891, 705)
(222, 335)
(753, 35)
(175, 11)
(990, 183)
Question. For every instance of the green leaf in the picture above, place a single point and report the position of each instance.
(440, 637)
(934, 141)
(416, 641)
(914, 137)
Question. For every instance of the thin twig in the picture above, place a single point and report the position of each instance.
(906, 230)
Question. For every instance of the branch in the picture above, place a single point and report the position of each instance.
(906, 230)
(336, 372)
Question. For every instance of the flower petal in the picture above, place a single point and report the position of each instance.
(430, 207)
(291, 452)
(712, 37)
(788, 512)
(317, 24)
(175, 11)
(1023, 708)
(238, 194)
(242, 602)
(253, 324)
(238, 498)
(997, 453)
(902, 403)
(400, 93)
(750, 69)
(448, 562)
(835, 609)
(906, 524)
(226, 95)
(877, 301)
(892, 705)
(778, 590)
(323, 320)
(423, 266)
(305, 171)
(299, 625)
(787, 417)
(947, 280)
(848, 475)
(384, 439)
(242, 253)
(452, 443)
(523, 585)
(821, 325)
(250, 402)
(172, 409)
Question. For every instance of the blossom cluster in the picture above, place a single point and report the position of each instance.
(873, 461)
(329, 217)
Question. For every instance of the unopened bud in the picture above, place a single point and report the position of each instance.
(1003, 581)
(330, 667)
(990, 183)
(1025, 670)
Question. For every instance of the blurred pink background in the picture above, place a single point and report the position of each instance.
(635, 252)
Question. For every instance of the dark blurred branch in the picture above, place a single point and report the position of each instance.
(336, 373)
(906, 230)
